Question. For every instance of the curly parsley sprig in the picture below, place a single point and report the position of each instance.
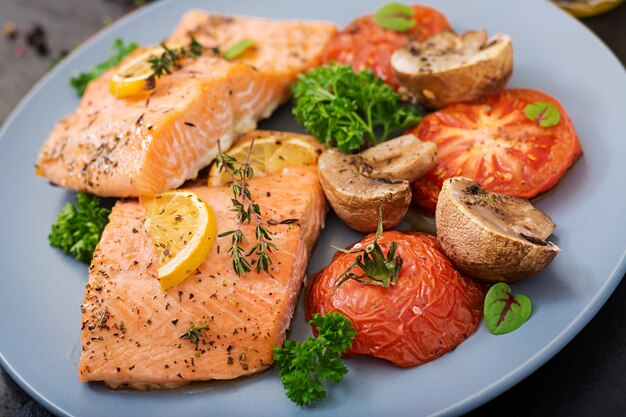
(349, 110)
(119, 50)
(304, 366)
(246, 210)
(78, 228)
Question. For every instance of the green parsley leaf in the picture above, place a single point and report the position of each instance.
(118, 52)
(349, 110)
(303, 366)
(78, 228)
(237, 49)
(395, 16)
(503, 311)
(545, 114)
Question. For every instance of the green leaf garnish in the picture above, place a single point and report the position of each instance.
(194, 333)
(377, 269)
(118, 51)
(503, 311)
(237, 49)
(395, 16)
(348, 110)
(545, 114)
(304, 366)
(78, 228)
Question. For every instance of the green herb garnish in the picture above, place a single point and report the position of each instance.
(303, 366)
(395, 16)
(237, 49)
(78, 228)
(194, 333)
(545, 114)
(346, 110)
(118, 51)
(169, 60)
(246, 210)
(503, 311)
(377, 270)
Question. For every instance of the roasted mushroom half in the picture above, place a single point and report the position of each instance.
(358, 186)
(492, 236)
(448, 68)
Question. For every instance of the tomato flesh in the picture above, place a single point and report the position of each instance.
(431, 309)
(494, 143)
(364, 44)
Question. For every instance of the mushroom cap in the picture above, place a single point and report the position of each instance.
(403, 158)
(357, 198)
(492, 236)
(448, 68)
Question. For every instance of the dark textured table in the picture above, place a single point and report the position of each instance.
(587, 378)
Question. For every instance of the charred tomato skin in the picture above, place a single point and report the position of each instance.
(430, 311)
(493, 142)
(364, 44)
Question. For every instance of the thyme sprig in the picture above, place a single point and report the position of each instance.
(246, 210)
(377, 269)
(169, 60)
(194, 333)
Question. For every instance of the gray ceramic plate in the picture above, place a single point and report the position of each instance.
(41, 290)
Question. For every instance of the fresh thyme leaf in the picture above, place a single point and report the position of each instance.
(169, 60)
(348, 110)
(377, 269)
(304, 366)
(237, 49)
(246, 210)
(395, 16)
(195, 49)
(545, 114)
(118, 51)
(78, 228)
(194, 333)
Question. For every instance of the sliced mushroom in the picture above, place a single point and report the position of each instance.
(492, 236)
(448, 68)
(358, 185)
(403, 158)
(356, 198)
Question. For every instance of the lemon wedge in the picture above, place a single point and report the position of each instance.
(269, 155)
(132, 75)
(182, 227)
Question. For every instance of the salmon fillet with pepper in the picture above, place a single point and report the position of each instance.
(154, 141)
(131, 328)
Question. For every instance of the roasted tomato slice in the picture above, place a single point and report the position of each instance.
(364, 44)
(494, 143)
(430, 310)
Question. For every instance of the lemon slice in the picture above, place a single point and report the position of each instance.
(131, 76)
(587, 8)
(268, 156)
(182, 227)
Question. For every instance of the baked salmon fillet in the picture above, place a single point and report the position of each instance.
(154, 141)
(131, 328)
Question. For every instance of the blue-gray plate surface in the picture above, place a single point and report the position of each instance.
(41, 290)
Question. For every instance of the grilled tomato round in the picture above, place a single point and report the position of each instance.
(365, 44)
(495, 143)
(429, 311)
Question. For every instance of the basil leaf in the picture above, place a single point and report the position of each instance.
(503, 311)
(395, 16)
(237, 49)
(545, 114)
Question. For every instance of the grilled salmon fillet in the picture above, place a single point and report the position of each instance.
(131, 328)
(153, 142)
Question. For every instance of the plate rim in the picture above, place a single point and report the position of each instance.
(468, 403)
